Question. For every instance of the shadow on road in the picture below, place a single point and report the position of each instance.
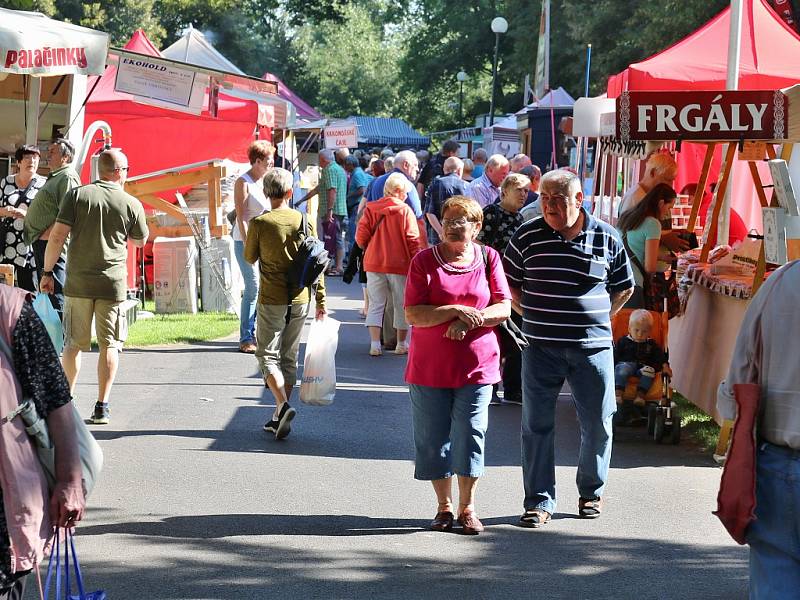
(513, 563)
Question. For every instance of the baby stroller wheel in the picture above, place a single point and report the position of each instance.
(660, 426)
(652, 411)
(675, 433)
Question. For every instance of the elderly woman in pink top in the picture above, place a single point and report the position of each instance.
(454, 302)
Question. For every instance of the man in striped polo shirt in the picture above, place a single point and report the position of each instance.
(568, 274)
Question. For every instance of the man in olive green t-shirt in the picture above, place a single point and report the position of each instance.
(100, 218)
(43, 211)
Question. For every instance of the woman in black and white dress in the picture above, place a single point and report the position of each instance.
(16, 193)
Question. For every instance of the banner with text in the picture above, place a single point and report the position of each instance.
(728, 115)
(160, 83)
(341, 135)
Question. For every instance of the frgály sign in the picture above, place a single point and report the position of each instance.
(728, 115)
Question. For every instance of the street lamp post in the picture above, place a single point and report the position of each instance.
(462, 77)
(499, 25)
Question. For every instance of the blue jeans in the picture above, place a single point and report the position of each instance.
(247, 315)
(590, 373)
(624, 370)
(774, 538)
(449, 430)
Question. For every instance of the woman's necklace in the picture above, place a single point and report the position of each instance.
(448, 264)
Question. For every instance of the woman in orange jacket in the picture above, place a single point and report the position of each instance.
(389, 234)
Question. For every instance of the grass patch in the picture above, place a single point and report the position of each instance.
(180, 328)
(697, 424)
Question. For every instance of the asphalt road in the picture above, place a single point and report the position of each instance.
(196, 501)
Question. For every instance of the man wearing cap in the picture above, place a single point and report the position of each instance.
(43, 211)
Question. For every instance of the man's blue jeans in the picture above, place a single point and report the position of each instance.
(590, 374)
(774, 536)
(247, 316)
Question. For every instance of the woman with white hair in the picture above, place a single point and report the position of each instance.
(389, 234)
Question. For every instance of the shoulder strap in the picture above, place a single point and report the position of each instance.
(304, 224)
(487, 265)
(632, 256)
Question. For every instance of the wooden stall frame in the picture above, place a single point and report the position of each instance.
(144, 187)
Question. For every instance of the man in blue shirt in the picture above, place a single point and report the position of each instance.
(404, 162)
(570, 272)
(442, 188)
(485, 189)
(356, 187)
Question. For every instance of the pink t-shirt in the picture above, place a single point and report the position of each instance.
(434, 360)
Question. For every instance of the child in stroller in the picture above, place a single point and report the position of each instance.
(637, 354)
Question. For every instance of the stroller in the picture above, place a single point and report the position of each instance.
(663, 415)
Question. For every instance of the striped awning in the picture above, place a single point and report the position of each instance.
(380, 131)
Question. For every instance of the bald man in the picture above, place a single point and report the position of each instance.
(100, 218)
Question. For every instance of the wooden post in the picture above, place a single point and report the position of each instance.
(701, 185)
(719, 194)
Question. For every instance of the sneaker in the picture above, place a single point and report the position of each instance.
(495, 401)
(284, 419)
(375, 351)
(101, 414)
(401, 349)
(271, 426)
(513, 398)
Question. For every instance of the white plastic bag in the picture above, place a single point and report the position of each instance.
(318, 386)
(49, 316)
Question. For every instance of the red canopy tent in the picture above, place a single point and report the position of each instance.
(155, 138)
(769, 60)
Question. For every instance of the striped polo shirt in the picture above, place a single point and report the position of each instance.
(567, 285)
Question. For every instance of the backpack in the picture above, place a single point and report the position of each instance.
(311, 260)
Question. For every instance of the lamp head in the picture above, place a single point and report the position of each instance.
(499, 25)
(461, 76)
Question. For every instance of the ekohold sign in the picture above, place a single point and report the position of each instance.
(728, 115)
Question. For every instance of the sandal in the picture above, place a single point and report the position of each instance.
(443, 521)
(534, 518)
(590, 508)
(333, 273)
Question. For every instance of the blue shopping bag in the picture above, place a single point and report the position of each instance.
(55, 559)
(49, 317)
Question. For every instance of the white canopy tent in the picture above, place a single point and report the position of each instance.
(32, 47)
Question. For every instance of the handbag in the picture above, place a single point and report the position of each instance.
(55, 560)
(511, 337)
(91, 455)
(736, 500)
(656, 287)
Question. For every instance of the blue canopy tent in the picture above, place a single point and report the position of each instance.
(380, 131)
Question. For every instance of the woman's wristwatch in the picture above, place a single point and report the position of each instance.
(47, 273)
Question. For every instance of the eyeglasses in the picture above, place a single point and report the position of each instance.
(553, 199)
(459, 222)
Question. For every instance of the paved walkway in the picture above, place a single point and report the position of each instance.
(197, 502)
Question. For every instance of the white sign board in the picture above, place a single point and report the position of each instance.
(784, 190)
(341, 135)
(774, 235)
(156, 82)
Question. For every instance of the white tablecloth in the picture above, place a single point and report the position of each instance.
(701, 344)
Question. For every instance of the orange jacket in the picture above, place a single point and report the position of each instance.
(391, 241)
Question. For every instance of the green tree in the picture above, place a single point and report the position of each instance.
(348, 67)
(46, 7)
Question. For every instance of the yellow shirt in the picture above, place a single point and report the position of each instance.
(273, 240)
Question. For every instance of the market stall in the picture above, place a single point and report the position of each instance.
(44, 66)
(755, 128)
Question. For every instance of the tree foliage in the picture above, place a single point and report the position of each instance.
(382, 57)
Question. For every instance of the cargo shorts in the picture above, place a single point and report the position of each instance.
(110, 323)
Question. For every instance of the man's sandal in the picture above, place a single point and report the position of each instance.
(534, 518)
(590, 508)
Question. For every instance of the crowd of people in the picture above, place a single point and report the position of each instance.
(446, 260)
